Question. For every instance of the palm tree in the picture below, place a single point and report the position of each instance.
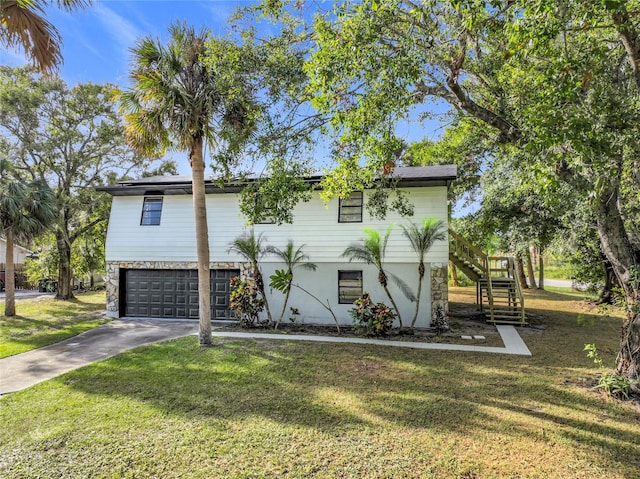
(421, 240)
(372, 250)
(176, 101)
(252, 248)
(23, 25)
(26, 209)
(293, 258)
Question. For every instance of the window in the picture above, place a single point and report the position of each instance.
(151, 211)
(349, 286)
(350, 209)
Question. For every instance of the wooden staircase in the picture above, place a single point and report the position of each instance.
(496, 280)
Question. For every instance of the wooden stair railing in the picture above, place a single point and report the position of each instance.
(470, 259)
(495, 277)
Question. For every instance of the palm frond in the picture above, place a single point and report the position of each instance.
(358, 252)
(403, 286)
(249, 246)
(24, 25)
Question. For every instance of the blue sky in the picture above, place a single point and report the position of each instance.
(96, 42)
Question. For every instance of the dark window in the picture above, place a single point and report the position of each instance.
(349, 286)
(351, 208)
(151, 211)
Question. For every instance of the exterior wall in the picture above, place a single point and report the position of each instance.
(323, 283)
(171, 245)
(19, 253)
(315, 225)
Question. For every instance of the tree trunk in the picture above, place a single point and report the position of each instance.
(420, 277)
(395, 306)
(625, 261)
(9, 276)
(606, 295)
(284, 307)
(530, 272)
(540, 270)
(202, 242)
(520, 270)
(260, 284)
(454, 274)
(65, 275)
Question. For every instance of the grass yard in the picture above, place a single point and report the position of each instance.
(263, 409)
(45, 320)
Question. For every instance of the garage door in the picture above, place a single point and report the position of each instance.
(165, 293)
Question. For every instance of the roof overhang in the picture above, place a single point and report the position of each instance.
(406, 176)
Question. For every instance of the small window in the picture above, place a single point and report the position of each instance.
(268, 218)
(349, 286)
(151, 211)
(351, 208)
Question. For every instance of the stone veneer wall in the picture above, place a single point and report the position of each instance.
(113, 275)
(439, 288)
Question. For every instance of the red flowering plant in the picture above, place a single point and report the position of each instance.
(371, 319)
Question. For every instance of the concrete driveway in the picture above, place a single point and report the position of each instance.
(24, 370)
(26, 293)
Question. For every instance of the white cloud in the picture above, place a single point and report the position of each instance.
(118, 27)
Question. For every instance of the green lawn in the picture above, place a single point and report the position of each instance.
(43, 321)
(263, 409)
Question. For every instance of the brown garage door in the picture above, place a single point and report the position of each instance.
(165, 293)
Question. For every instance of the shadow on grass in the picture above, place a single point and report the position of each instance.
(344, 388)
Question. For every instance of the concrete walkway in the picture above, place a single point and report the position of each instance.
(513, 343)
(24, 370)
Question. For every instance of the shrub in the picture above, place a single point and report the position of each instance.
(439, 322)
(371, 319)
(615, 385)
(246, 303)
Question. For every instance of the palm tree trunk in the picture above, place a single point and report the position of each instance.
(520, 271)
(202, 243)
(415, 315)
(260, 282)
(454, 274)
(9, 276)
(284, 306)
(395, 306)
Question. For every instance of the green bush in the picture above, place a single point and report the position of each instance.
(246, 303)
(371, 319)
(615, 385)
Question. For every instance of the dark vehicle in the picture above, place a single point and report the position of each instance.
(1, 281)
(47, 285)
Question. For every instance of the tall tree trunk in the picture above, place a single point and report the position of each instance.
(202, 242)
(540, 270)
(606, 295)
(625, 261)
(420, 277)
(395, 306)
(520, 270)
(530, 272)
(65, 275)
(260, 284)
(9, 276)
(454, 274)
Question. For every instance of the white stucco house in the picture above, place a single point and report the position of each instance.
(151, 248)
